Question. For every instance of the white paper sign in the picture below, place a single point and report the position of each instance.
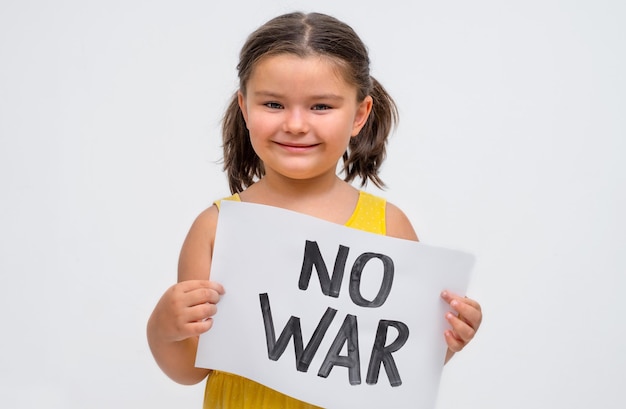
(364, 332)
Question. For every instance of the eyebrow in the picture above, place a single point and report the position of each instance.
(271, 94)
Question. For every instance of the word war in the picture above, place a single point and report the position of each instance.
(347, 335)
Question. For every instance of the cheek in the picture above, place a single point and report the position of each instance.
(259, 124)
(258, 136)
(345, 123)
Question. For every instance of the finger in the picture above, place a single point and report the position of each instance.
(202, 296)
(454, 344)
(193, 321)
(200, 312)
(468, 309)
(473, 303)
(191, 285)
(198, 328)
(462, 331)
(467, 312)
(450, 296)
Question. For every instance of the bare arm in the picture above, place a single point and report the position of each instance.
(185, 310)
(398, 225)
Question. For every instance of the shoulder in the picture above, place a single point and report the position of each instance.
(398, 224)
(205, 222)
(195, 256)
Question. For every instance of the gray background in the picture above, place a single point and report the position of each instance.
(510, 146)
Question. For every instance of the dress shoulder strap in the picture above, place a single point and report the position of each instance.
(235, 198)
(369, 214)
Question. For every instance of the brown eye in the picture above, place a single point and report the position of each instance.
(321, 107)
(273, 105)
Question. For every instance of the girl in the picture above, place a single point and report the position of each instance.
(305, 101)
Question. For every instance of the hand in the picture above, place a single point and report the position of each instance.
(464, 324)
(186, 310)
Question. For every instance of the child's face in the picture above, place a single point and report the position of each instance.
(301, 114)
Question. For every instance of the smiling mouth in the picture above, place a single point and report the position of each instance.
(297, 147)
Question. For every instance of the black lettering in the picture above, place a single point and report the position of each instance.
(385, 285)
(382, 353)
(313, 257)
(348, 334)
(275, 348)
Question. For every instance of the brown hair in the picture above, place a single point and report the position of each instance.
(304, 35)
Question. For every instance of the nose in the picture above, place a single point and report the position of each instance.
(295, 121)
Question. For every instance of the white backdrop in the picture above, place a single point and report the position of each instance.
(512, 131)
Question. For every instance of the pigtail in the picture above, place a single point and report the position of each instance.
(367, 151)
(241, 163)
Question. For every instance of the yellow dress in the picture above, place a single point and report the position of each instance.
(228, 391)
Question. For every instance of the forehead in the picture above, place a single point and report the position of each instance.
(290, 71)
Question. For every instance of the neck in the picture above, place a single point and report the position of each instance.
(328, 198)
